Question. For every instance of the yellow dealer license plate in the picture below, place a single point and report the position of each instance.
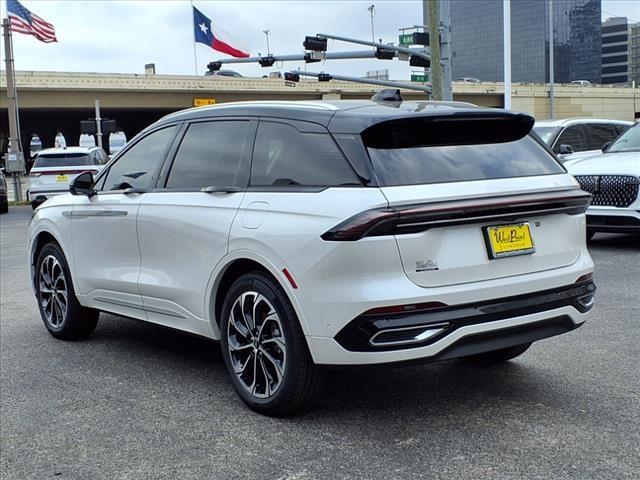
(509, 240)
(62, 178)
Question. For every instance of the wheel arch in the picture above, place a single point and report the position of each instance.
(40, 239)
(232, 267)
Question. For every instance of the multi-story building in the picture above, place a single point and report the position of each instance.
(477, 43)
(615, 50)
(634, 52)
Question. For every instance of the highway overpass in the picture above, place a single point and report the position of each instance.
(57, 101)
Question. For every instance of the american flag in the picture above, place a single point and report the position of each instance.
(23, 21)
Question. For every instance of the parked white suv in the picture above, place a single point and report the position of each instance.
(306, 234)
(574, 138)
(613, 178)
(55, 168)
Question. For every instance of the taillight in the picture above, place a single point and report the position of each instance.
(369, 223)
(411, 308)
(417, 218)
(585, 278)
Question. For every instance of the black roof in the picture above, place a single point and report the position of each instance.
(339, 116)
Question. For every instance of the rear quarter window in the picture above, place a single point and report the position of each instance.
(461, 163)
(284, 156)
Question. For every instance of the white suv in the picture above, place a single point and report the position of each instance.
(55, 168)
(307, 234)
(574, 138)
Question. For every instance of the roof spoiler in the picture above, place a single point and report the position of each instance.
(459, 128)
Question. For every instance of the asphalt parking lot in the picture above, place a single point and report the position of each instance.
(136, 401)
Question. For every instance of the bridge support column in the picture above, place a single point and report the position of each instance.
(331, 96)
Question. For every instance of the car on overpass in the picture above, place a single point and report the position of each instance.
(574, 138)
(55, 168)
(613, 178)
(306, 235)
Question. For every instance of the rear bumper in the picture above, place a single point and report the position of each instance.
(43, 194)
(387, 332)
(613, 220)
(463, 341)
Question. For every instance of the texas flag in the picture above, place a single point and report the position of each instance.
(215, 38)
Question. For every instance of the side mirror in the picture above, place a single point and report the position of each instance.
(566, 149)
(605, 146)
(83, 185)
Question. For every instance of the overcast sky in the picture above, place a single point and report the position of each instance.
(121, 36)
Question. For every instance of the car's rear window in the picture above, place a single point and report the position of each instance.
(62, 160)
(459, 163)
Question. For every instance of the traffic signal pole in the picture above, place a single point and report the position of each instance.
(432, 18)
(372, 81)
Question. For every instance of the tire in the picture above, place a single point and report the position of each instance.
(52, 283)
(590, 234)
(497, 356)
(268, 361)
(4, 208)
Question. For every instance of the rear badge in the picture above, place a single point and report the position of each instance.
(428, 266)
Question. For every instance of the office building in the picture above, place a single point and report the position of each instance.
(615, 50)
(477, 43)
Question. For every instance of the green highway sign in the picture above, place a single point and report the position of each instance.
(406, 39)
(419, 77)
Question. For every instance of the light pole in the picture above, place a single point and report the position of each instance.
(372, 11)
(266, 33)
(551, 75)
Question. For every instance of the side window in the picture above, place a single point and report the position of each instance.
(622, 128)
(102, 157)
(211, 154)
(137, 167)
(285, 156)
(601, 133)
(574, 136)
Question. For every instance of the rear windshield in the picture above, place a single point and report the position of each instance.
(459, 163)
(62, 160)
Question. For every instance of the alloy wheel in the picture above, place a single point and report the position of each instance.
(52, 286)
(256, 343)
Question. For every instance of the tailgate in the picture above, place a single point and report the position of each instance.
(447, 241)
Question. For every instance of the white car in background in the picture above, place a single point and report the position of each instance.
(613, 178)
(55, 168)
(574, 138)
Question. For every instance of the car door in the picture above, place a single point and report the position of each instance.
(183, 226)
(575, 136)
(105, 239)
(599, 134)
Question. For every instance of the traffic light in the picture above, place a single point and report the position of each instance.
(415, 61)
(421, 38)
(385, 53)
(309, 57)
(88, 127)
(291, 77)
(267, 61)
(109, 126)
(324, 77)
(214, 66)
(316, 44)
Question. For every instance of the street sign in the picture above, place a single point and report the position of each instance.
(406, 39)
(415, 38)
(201, 102)
(419, 77)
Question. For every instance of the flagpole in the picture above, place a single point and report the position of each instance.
(195, 55)
(15, 146)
